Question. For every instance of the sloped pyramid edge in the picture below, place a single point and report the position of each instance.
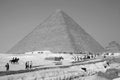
(59, 33)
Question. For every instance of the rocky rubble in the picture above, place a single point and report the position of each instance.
(71, 73)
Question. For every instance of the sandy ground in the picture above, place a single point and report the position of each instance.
(53, 74)
(37, 60)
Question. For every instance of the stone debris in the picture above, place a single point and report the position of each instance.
(71, 73)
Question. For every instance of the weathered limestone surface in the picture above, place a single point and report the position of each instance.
(58, 33)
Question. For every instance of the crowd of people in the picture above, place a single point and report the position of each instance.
(84, 57)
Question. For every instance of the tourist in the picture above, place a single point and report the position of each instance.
(30, 66)
(26, 65)
(7, 67)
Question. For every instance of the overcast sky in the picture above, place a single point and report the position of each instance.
(99, 18)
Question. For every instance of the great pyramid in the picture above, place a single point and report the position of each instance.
(58, 33)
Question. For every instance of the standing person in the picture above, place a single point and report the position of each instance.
(26, 65)
(7, 67)
(30, 64)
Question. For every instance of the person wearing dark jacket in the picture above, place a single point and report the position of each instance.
(7, 67)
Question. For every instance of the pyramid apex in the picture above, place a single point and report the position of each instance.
(59, 11)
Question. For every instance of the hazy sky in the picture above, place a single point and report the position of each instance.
(100, 18)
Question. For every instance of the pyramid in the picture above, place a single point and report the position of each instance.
(58, 33)
(113, 46)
